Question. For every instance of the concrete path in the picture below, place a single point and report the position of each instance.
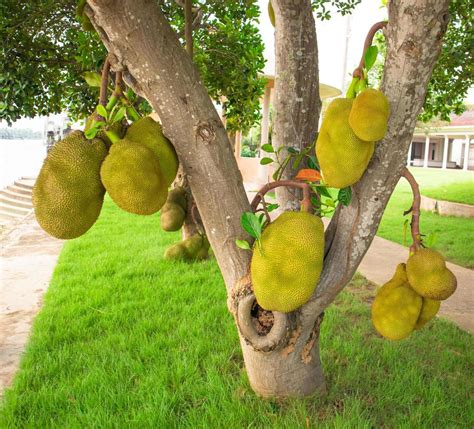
(379, 265)
(28, 257)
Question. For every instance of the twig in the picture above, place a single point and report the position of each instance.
(305, 202)
(104, 82)
(359, 71)
(414, 210)
(188, 29)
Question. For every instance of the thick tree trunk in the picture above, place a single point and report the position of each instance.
(285, 360)
(296, 103)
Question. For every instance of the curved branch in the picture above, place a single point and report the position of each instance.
(260, 342)
(306, 201)
(415, 209)
(359, 71)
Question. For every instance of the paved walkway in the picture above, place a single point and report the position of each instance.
(28, 257)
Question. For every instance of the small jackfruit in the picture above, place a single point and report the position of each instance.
(192, 249)
(68, 194)
(287, 263)
(271, 13)
(396, 308)
(132, 176)
(178, 196)
(173, 212)
(176, 252)
(343, 156)
(429, 276)
(148, 132)
(429, 309)
(369, 115)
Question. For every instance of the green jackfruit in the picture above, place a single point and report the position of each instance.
(369, 115)
(286, 266)
(177, 252)
(133, 178)
(193, 244)
(396, 307)
(178, 196)
(429, 309)
(148, 132)
(172, 217)
(271, 13)
(68, 193)
(429, 276)
(343, 156)
(192, 249)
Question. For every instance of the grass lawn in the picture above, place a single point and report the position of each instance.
(454, 236)
(127, 340)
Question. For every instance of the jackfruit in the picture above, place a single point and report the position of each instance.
(429, 276)
(342, 156)
(396, 307)
(148, 132)
(369, 115)
(287, 263)
(176, 252)
(271, 13)
(68, 194)
(132, 176)
(429, 309)
(192, 249)
(173, 212)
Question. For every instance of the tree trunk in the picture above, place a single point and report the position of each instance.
(296, 102)
(281, 351)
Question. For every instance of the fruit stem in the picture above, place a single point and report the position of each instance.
(305, 202)
(103, 85)
(113, 136)
(359, 71)
(415, 210)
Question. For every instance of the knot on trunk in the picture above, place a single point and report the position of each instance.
(205, 132)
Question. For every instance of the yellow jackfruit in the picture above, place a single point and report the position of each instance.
(396, 307)
(132, 176)
(429, 276)
(369, 115)
(173, 212)
(429, 309)
(343, 156)
(68, 193)
(286, 265)
(148, 132)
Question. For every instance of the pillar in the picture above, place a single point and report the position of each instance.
(409, 154)
(427, 151)
(445, 152)
(466, 153)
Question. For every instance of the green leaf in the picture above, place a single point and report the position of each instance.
(292, 150)
(251, 224)
(323, 191)
(102, 111)
(265, 161)
(431, 239)
(345, 195)
(312, 162)
(370, 57)
(329, 202)
(243, 244)
(268, 148)
(120, 114)
(361, 85)
(271, 207)
(93, 79)
(91, 133)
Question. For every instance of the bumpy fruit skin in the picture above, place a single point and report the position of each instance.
(429, 276)
(285, 268)
(172, 217)
(148, 132)
(68, 193)
(429, 309)
(343, 156)
(194, 248)
(396, 308)
(132, 176)
(369, 115)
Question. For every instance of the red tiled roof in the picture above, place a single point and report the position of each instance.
(467, 118)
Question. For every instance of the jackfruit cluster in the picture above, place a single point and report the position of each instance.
(287, 261)
(413, 296)
(347, 137)
(173, 212)
(194, 248)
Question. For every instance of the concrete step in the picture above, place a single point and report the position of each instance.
(23, 185)
(16, 203)
(18, 190)
(19, 212)
(5, 216)
(14, 196)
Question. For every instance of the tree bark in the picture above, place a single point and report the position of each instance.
(283, 361)
(296, 103)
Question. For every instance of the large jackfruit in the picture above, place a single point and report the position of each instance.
(343, 156)
(68, 193)
(148, 132)
(173, 212)
(369, 115)
(132, 176)
(429, 276)
(286, 265)
(396, 307)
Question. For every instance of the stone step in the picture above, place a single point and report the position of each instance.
(23, 185)
(18, 190)
(17, 211)
(5, 216)
(16, 203)
(14, 196)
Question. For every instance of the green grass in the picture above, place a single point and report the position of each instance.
(126, 340)
(457, 192)
(454, 235)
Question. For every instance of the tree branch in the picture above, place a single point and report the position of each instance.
(306, 201)
(359, 71)
(415, 210)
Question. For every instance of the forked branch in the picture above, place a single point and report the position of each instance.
(305, 202)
